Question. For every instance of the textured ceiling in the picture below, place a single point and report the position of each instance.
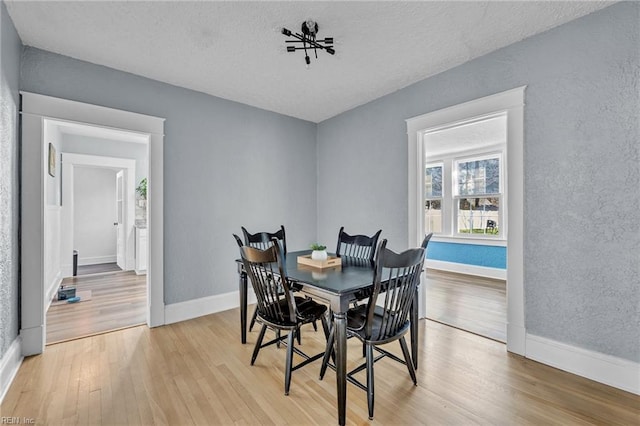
(464, 138)
(234, 49)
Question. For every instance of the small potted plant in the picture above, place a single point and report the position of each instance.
(319, 252)
(142, 192)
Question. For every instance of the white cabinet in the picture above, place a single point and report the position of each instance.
(141, 251)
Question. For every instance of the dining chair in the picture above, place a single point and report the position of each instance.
(278, 308)
(262, 241)
(357, 246)
(380, 323)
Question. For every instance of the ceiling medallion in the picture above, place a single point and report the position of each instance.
(308, 40)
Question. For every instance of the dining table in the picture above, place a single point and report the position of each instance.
(338, 287)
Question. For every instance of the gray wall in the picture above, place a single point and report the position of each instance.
(10, 47)
(582, 160)
(225, 165)
(77, 144)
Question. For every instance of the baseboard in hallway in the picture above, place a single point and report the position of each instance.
(98, 268)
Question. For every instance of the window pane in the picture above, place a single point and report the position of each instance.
(479, 215)
(433, 216)
(433, 182)
(479, 177)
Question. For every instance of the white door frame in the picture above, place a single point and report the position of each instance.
(35, 110)
(69, 163)
(511, 101)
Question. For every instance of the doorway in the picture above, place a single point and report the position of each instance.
(510, 104)
(42, 200)
(99, 215)
(464, 199)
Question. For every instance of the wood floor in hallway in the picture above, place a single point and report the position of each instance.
(118, 300)
(471, 303)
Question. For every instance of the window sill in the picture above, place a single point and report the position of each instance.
(482, 241)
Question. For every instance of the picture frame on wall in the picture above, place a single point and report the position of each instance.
(52, 160)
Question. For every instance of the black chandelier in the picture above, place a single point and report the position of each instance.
(308, 39)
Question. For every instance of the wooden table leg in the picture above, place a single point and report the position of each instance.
(340, 324)
(243, 306)
(414, 330)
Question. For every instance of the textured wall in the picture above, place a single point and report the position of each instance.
(225, 165)
(582, 161)
(10, 47)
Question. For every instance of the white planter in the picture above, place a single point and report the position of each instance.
(319, 255)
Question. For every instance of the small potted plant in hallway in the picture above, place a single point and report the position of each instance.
(319, 252)
(142, 192)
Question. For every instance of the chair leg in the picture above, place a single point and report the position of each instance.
(299, 335)
(325, 327)
(370, 385)
(278, 336)
(256, 349)
(327, 353)
(315, 326)
(288, 366)
(408, 360)
(253, 319)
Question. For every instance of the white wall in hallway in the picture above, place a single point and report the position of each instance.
(94, 215)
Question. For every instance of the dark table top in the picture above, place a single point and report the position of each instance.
(348, 278)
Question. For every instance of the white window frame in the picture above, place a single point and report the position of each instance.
(511, 102)
(441, 198)
(502, 195)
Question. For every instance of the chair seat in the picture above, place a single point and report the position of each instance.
(308, 311)
(357, 317)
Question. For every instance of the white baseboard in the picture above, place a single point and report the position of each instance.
(53, 288)
(610, 370)
(516, 339)
(96, 260)
(32, 340)
(9, 366)
(462, 268)
(195, 308)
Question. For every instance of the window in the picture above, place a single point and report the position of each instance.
(477, 195)
(433, 198)
(464, 178)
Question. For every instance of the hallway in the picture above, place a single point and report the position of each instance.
(117, 300)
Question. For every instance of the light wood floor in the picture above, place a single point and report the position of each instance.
(471, 303)
(198, 372)
(118, 300)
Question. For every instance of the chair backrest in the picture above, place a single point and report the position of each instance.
(426, 240)
(399, 273)
(357, 246)
(267, 272)
(238, 240)
(263, 240)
